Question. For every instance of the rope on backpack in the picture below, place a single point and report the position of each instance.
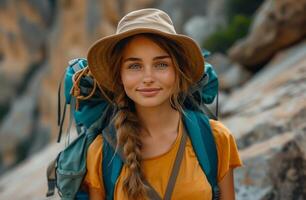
(76, 91)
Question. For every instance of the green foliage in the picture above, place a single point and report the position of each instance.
(224, 38)
(240, 13)
(242, 7)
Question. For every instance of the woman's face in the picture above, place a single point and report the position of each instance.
(147, 73)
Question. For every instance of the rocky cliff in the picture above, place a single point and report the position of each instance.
(267, 116)
(38, 38)
(265, 111)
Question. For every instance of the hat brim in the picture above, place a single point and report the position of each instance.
(98, 54)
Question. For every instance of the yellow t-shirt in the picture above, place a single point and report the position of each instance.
(191, 182)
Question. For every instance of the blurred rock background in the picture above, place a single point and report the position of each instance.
(258, 49)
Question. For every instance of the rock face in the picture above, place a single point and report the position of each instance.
(22, 36)
(15, 184)
(273, 169)
(20, 134)
(24, 28)
(268, 117)
(277, 25)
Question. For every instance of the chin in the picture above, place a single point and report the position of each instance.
(150, 102)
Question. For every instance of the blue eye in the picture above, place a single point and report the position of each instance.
(134, 66)
(161, 65)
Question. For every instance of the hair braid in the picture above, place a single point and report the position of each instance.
(127, 126)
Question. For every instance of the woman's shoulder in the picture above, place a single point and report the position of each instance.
(228, 156)
(219, 130)
(223, 136)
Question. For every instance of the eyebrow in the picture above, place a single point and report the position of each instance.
(161, 57)
(138, 59)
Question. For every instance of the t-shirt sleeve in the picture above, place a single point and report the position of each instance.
(228, 156)
(93, 177)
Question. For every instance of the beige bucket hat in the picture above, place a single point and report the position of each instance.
(149, 20)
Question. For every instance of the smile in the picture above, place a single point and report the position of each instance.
(149, 92)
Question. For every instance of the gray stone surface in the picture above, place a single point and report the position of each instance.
(234, 77)
(231, 75)
(267, 116)
(19, 128)
(15, 183)
(199, 28)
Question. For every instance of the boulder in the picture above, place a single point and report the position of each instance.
(273, 168)
(276, 25)
(267, 116)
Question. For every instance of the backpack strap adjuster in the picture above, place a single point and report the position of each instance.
(51, 178)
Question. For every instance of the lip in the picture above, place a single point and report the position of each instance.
(148, 89)
(149, 92)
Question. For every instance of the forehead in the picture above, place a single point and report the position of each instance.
(141, 45)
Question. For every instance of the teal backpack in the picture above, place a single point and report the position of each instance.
(93, 115)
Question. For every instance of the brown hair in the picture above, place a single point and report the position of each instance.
(125, 120)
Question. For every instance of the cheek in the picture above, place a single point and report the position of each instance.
(129, 81)
(169, 78)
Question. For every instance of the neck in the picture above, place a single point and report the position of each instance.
(158, 120)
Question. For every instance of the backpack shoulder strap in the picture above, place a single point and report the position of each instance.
(201, 136)
(111, 164)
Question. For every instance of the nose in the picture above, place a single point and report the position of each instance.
(148, 75)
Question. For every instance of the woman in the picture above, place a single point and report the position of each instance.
(146, 70)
